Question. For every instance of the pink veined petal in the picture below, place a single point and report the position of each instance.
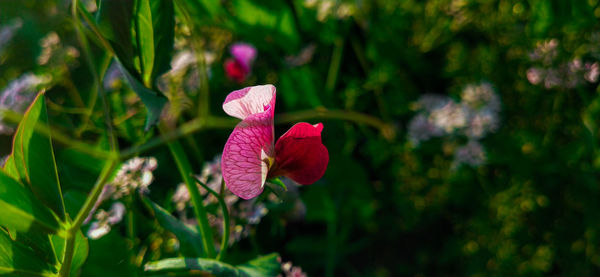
(251, 100)
(248, 154)
(300, 154)
(244, 53)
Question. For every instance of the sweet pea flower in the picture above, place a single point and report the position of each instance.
(251, 156)
(238, 68)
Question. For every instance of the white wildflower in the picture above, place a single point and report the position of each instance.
(105, 220)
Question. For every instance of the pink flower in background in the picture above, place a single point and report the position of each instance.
(251, 156)
(238, 68)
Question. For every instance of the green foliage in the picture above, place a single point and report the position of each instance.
(190, 240)
(387, 205)
(34, 157)
(145, 53)
(22, 209)
(262, 266)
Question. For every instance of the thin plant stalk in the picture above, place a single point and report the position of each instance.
(83, 214)
(185, 169)
(226, 231)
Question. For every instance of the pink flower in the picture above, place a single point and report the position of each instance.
(238, 68)
(251, 156)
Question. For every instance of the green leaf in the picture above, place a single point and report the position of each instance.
(34, 157)
(21, 210)
(267, 265)
(39, 243)
(17, 259)
(263, 266)
(82, 250)
(114, 19)
(153, 101)
(155, 33)
(181, 265)
(189, 240)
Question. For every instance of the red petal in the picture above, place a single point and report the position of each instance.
(235, 71)
(300, 154)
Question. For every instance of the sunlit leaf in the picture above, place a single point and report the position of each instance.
(263, 266)
(155, 31)
(21, 210)
(114, 20)
(267, 265)
(34, 157)
(17, 259)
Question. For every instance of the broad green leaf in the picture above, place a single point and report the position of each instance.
(34, 157)
(17, 259)
(153, 100)
(155, 33)
(263, 266)
(114, 19)
(189, 240)
(39, 243)
(184, 265)
(21, 210)
(82, 250)
(267, 265)
(145, 36)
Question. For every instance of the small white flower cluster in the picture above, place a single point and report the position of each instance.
(18, 95)
(472, 154)
(105, 220)
(54, 53)
(134, 175)
(563, 75)
(289, 270)
(242, 214)
(474, 116)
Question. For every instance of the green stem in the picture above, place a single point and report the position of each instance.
(185, 170)
(214, 122)
(82, 215)
(225, 238)
(65, 268)
(334, 67)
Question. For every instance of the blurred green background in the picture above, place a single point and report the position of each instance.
(468, 144)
